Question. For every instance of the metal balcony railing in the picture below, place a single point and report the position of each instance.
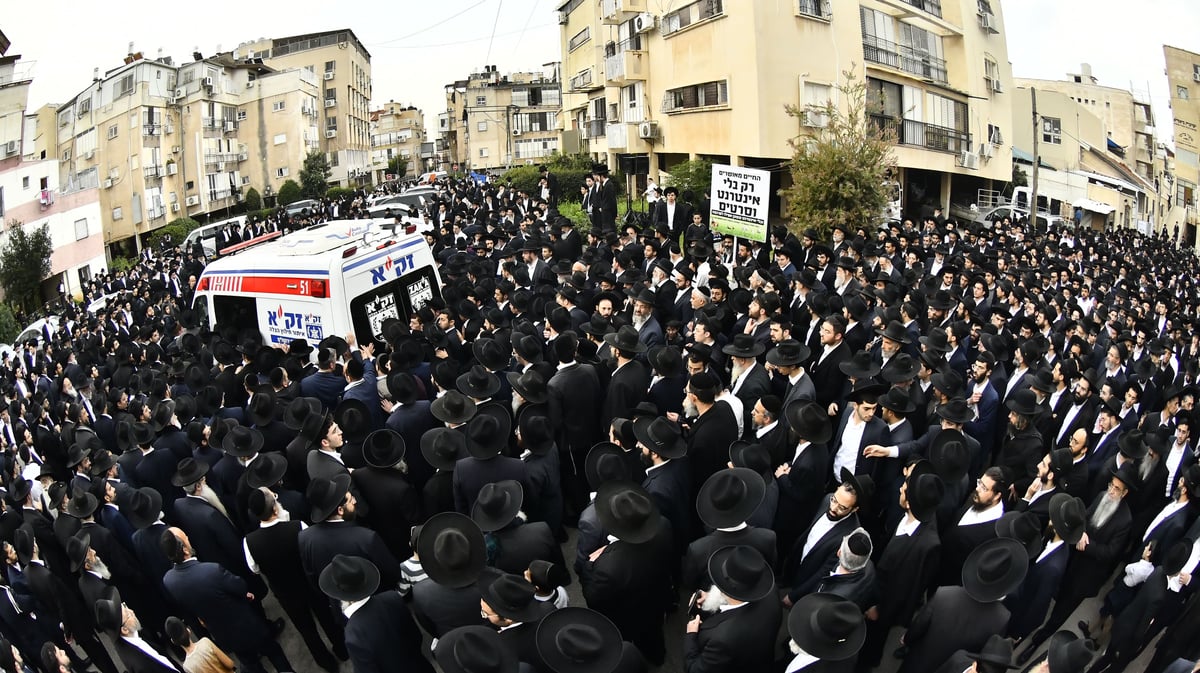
(594, 128)
(904, 58)
(933, 7)
(928, 136)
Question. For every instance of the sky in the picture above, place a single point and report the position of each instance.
(418, 47)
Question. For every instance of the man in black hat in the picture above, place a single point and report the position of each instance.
(738, 615)
(453, 554)
(725, 502)
(123, 626)
(510, 604)
(814, 555)
(394, 505)
(826, 632)
(973, 523)
(203, 517)
(575, 385)
(825, 364)
(334, 531)
(629, 382)
(749, 380)
(711, 427)
(326, 385)
(604, 202)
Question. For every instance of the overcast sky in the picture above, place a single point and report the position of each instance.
(417, 47)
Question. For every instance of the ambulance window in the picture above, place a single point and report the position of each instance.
(239, 312)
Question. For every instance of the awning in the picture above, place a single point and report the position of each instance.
(1094, 206)
(1023, 156)
(1115, 148)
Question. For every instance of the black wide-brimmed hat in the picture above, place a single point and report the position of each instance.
(660, 436)
(863, 485)
(326, 495)
(1132, 445)
(807, 419)
(443, 447)
(513, 597)
(898, 400)
(487, 435)
(299, 409)
(1041, 380)
(536, 433)
(82, 505)
(859, 366)
(452, 550)
(1068, 653)
(1068, 515)
(902, 367)
(956, 410)
(189, 471)
(145, 506)
(453, 407)
(354, 419)
(490, 354)
(1024, 402)
(895, 332)
(578, 640)
(924, 492)
(266, 470)
(995, 569)
(383, 448)
(626, 511)
(625, 339)
(475, 649)
(948, 454)
(667, 361)
(788, 353)
(262, 406)
(754, 457)
(827, 626)
(349, 578)
(242, 442)
(937, 341)
(995, 655)
(606, 462)
(729, 497)
(1024, 527)
(529, 385)
(77, 549)
(743, 346)
(478, 383)
(741, 572)
(163, 412)
(497, 504)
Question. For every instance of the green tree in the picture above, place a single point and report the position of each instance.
(24, 263)
(692, 178)
(398, 166)
(1019, 177)
(253, 200)
(9, 329)
(839, 171)
(314, 176)
(289, 193)
(178, 228)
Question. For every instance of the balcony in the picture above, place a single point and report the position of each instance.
(150, 129)
(625, 66)
(212, 124)
(155, 213)
(814, 9)
(594, 128)
(613, 12)
(582, 81)
(152, 171)
(927, 136)
(933, 7)
(904, 58)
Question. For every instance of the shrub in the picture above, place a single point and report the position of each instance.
(121, 264)
(289, 193)
(253, 200)
(178, 229)
(692, 178)
(338, 193)
(8, 324)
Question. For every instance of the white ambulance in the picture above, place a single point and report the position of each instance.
(330, 279)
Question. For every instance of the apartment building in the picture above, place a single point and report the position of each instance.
(494, 121)
(29, 188)
(397, 131)
(342, 66)
(713, 79)
(1183, 77)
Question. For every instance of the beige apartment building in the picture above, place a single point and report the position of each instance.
(342, 66)
(493, 121)
(714, 78)
(1183, 77)
(397, 131)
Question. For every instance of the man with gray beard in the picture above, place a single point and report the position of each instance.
(1108, 525)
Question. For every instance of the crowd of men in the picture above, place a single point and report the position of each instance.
(957, 433)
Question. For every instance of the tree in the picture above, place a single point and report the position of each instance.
(398, 167)
(1019, 177)
(289, 193)
(692, 178)
(840, 170)
(314, 176)
(178, 229)
(24, 263)
(253, 200)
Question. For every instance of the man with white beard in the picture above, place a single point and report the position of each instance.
(739, 616)
(1108, 527)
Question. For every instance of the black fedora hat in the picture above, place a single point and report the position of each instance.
(1024, 527)
(1068, 653)
(1041, 380)
(383, 448)
(242, 442)
(1128, 474)
(475, 649)
(189, 471)
(102, 462)
(208, 400)
(627, 512)
(827, 626)
(19, 489)
(262, 406)
(937, 341)
(452, 549)
(995, 569)
(625, 339)
(948, 454)
(299, 347)
(1132, 445)
(865, 388)
(163, 412)
(402, 387)
(326, 495)
(443, 447)
(353, 417)
(107, 611)
(77, 549)
(453, 407)
(490, 354)
(77, 453)
(529, 385)
(1023, 402)
(660, 436)
(536, 434)
(1068, 515)
(729, 497)
(743, 346)
(956, 411)
(667, 361)
(513, 597)
(349, 578)
(949, 382)
(894, 331)
(82, 505)
(497, 504)
(859, 366)
(898, 400)
(606, 462)
(741, 572)
(145, 506)
(902, 367)
(598, 325)
(788, 353)
(924, 492)
(487, 435)
(185, 408)
(267, 470)
(942, 301)
(578, 640)
(807, 419)
(995, 655)
(478, 383)
(754, 457)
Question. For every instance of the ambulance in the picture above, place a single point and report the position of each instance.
(331, 279)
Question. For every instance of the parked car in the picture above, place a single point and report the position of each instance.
(35, 330)
(1044, 220)
(298, 207)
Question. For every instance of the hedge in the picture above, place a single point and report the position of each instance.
(178, 228)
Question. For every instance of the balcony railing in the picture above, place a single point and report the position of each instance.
(150, 129)
(904, 58)
(928, 136)
(594, 128)
(817, 9)
(211, 123)
(933, 7)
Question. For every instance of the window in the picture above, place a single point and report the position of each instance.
(579, 38)
(280, 139)
(690, 14)
(81, 229)
(483, 152)
(330, 66)
(281, 172)
(1196, 72)
(995, 137)
(1181, 92)
(331, 123)
(696, 96)
(1052, 130)
(84, 106)
(241, 115)
(991, 75)
(481, 100)
(25, 182)
(112, 131)
(481, 127)
(817, 9)
(330, 95)
(1185, 193)
(279, 106)
(124, 86)
(117, 213)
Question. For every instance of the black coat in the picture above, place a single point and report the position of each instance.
(626, 389)
(218, 597)
(437, 495)
(575, 394)
(735, 641)
(381, 637)
(137, 661)
(440, 609)
(472, 474)
(757, 382)
(708, 442)
(669, 485)
(213, 537)
(950, 621)
(1089, 569)
(827, 376)
(394, 506)
(320, 542)
(906, 570)
(800, 493)
(860, 587)
(631, 585)
(801, 572)
(958, 541)
(520, 544)
(1030, 603)
(695, 561)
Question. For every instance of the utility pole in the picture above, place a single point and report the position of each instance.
(1033, 183)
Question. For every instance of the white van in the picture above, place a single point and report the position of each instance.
(207, 235)
(330, 279)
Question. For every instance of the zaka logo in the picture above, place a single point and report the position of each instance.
(291, 321)
(396, 267)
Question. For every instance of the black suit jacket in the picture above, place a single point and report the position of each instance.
(320, 542)
(218, 597)
(735, 640)
(801, 492)
(440, 609)
(756, 384)
(695, 561)
(381, 636)
(574, 388)
(670, 486)
(708, 442)
(394, 506)
(802, 573)
(827, 376)
(626, 389)
(1030, 603)
(521, 544)
(472, 474)
(630, 583)
(214, 537)
(950, 621)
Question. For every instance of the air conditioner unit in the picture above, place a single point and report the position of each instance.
(330, 102)
(171, 100)
(175, 149)
(108, 183)
(968, 160)
(331, 133)
(89, 154)
(172, 169)
(230, 127)
(181, 92)
(643, 23)
(562, 18)
(250, 84)
(648, 130)
(208, 82)
(328, 75)
(987, 21)
(192, 201)
(174, 207)
(516, 132)
(10, 147)
(986, 150)
(997, 86)
(814, 118)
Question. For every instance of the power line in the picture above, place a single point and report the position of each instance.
(456, 43)
(496, 22)
(532, 10)
(414, 34)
